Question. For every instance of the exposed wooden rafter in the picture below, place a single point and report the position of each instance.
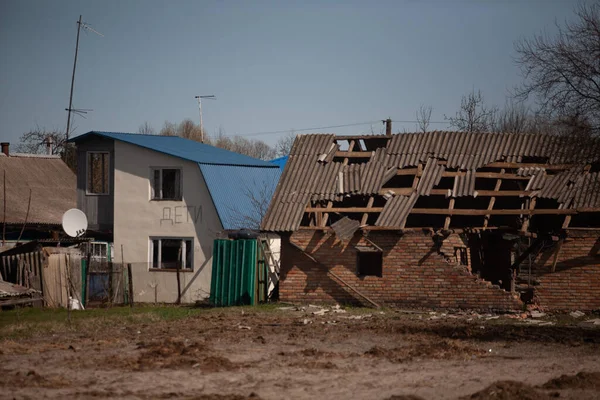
(444, 192)
(486, 219)
(456, 211)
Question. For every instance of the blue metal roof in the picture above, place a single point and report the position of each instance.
(182, 148)
(280, 162)
(241, 194)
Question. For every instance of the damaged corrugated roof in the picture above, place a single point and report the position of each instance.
(314, 172)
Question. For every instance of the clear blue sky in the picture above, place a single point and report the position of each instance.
(273, 65)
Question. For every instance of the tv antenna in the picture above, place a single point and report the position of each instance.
(199, 98)
(80, 112)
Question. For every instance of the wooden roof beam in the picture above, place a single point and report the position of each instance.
(354, 154)
(406, 191)
(528, 165)
(361, 137)
(456, 211)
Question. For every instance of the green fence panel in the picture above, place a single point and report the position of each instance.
(233, 272)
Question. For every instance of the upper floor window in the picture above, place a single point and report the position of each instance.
(98, 172)
(166, 184)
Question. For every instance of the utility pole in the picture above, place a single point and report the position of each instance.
(73, 80)
(199, 98)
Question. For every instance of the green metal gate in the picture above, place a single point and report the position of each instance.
(237, 274)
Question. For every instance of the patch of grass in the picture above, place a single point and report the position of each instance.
(28, 322)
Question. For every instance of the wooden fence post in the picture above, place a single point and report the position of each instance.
(129, 275)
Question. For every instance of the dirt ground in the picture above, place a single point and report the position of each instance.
(291, 353)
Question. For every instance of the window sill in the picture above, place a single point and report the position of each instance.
(169, 270)
(97, 194)
(166, 199)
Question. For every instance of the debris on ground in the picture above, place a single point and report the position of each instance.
(576, 314)
(537, 314)
(595, 321)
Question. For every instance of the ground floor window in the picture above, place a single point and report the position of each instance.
(369, 262)
(172, 253)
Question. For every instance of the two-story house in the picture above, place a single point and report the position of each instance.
(163, 200)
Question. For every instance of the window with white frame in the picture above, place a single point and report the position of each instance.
(98, 163)
(166, 184)
(172, 253)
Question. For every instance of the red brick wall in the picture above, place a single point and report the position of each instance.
(575, 284)
(415, 274)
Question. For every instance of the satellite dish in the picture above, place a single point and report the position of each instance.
(74, 222)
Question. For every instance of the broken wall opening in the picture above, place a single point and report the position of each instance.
(491, 258)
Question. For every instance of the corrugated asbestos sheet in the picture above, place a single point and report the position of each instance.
(311, 173)
(345, 228)
(432, 173)
(396, 210)
(53, 189)
(538, 181)
(304, 176)
(474, 150)
(587, 193)
(464, 185)
(530, 171)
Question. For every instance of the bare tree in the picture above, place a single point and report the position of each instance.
(146, 129)
(516, 118)
(563, 72)
(473, 115)
(35, 142)
(168, 129)
(189, 130)
(284, 144)
(258, 192)
(423, 117)
(186, 129)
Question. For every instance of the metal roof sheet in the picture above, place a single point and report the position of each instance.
(182, 148)
(240, 194)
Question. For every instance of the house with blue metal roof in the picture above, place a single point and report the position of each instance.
(162, 200)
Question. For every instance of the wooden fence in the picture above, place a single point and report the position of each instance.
(54, 271)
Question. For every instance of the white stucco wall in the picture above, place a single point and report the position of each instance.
(137, 218)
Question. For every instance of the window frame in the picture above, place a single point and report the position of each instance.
(87, 173)
(183, 239)
(151, 180)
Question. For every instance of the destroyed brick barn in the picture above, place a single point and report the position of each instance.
(440, 219)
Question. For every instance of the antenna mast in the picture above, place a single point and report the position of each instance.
(70, 109)
(199, 98)
(73, 80)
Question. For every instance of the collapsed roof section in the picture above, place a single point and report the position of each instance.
(436, 180)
